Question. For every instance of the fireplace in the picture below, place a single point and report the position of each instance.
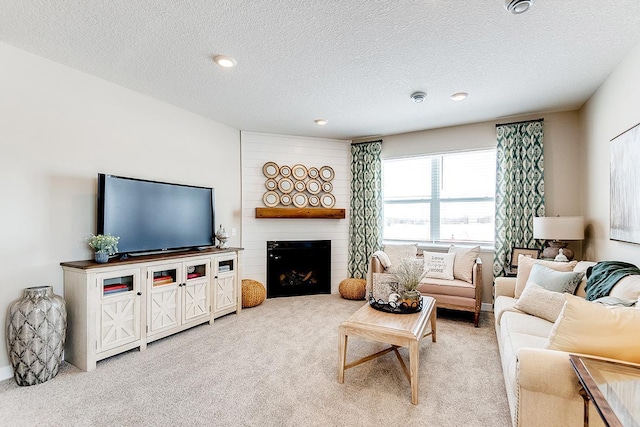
(298, 268)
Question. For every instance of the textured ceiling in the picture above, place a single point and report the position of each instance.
(354, 63)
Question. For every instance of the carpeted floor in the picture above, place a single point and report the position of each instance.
(275, 365)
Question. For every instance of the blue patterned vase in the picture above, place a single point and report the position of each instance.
(36, 328)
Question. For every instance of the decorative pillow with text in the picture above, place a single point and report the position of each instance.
(439, 265)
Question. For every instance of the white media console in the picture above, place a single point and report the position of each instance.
(125, 304)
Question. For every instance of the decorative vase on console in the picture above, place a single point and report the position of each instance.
(222, 237)
(35, 333)
(104, 245)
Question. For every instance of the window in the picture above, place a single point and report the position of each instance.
(440, 198)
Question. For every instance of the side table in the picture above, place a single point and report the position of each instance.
(613, 387)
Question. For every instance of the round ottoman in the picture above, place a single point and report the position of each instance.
(352, 288)
(253, 293)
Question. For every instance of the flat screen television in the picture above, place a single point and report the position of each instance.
(151, 216)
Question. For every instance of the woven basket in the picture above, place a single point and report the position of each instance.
(352, 288)
(253, 293)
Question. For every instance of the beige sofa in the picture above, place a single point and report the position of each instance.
(453, 294)
(542, 388)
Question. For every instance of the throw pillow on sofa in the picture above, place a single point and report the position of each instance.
(557, 281)
(526, 263)
(397, 253)
(439, 265)
(590, 328)
(464, 261)
(540, 302)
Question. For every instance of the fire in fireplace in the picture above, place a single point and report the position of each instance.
(298, 268)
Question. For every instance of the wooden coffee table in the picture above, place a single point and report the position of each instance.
(399, 330)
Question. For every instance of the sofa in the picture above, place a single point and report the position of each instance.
(458, 283)
(542, 388)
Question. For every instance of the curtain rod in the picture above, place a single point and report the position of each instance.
(515, 123)
(365, 142)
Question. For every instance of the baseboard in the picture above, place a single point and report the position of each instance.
(486, 307)
(6, 372)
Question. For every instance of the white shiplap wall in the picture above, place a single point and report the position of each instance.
(256, 150)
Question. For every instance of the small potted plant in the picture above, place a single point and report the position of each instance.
(409, 273)
(103, 245)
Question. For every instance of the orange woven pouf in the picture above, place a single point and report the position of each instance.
(352, 288)
(253, 293)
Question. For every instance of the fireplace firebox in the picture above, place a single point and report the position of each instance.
(298, 268)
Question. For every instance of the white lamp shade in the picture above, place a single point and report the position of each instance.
(558, 228)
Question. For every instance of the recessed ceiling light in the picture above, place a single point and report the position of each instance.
(321, 122)
(459, 96)
(225, 61)
(418, 97)
(517, 6)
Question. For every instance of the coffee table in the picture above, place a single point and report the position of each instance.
(399, 330)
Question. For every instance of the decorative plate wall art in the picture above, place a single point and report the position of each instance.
(298, 185)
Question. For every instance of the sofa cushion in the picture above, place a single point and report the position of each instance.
(439, 265)
(397, 253)
(582, 266)
(503, 304)
(627, 288)
(447, 287)
(526, 263)
(464, 261)
(526, 325)
(540, 302)
(557, 281)
(590, 328)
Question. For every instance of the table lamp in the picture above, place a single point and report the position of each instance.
(556, 230)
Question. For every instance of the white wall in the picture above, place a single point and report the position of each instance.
(257, 149)
(614, 108)
(562, 163)
(58, 129)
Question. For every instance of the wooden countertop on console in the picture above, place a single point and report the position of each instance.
(90, 264)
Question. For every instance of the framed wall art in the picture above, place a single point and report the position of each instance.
(624, 202)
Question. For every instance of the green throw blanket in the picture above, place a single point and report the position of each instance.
(603, 276)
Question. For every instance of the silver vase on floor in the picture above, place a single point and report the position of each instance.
(36, 328)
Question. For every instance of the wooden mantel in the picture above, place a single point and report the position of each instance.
(300, 213)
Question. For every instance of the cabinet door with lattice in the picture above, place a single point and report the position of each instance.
(195, 291)
(225, 284)
(164, 284)
(118, 317)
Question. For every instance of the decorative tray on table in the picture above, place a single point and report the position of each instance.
(395, 307)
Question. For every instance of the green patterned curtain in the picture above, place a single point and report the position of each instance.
(519, 188)
(365, 229)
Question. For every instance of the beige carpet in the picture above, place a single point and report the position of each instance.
(275, 365)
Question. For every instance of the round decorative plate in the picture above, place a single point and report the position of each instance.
(271, 184)
(270, 170)
(285, 171)
(285, 185)
(285, 199)
(300, 200)
(299, 172)
(327, 200)
(314, 200)
(313, 173)
(299, 185)
(313, 186)
(326, 173)
(270, 199)
(327, 187)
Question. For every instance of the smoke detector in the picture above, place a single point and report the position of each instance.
(418, 97)
(517, 6)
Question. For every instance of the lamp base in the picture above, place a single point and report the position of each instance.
(553, 250)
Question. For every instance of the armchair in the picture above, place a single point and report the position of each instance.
(453, 294)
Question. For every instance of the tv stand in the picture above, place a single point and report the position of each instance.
(126, 303)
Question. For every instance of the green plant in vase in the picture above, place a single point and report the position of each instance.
(103, 245)
(409, 273)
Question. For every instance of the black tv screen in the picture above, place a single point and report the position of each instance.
(154, 216)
